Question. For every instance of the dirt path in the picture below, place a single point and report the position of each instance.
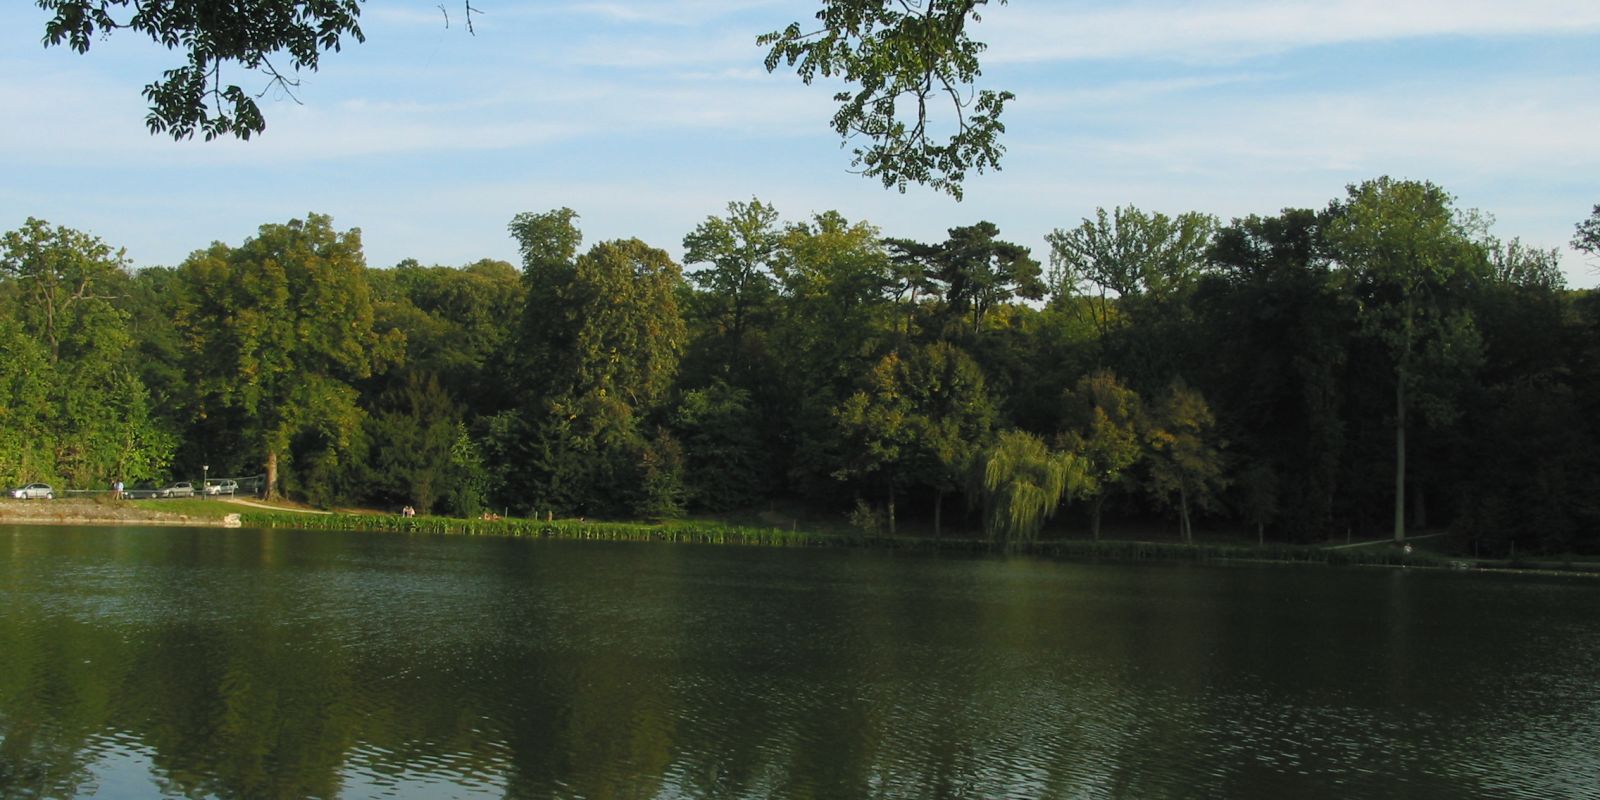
(1380, 541)
(239, 501)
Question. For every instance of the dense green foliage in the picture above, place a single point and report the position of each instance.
(72, 406)
(1377, 366)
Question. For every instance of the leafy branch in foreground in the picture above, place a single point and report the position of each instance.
(900, 54)
(250, 33)
(192, 97)
(1587, 235)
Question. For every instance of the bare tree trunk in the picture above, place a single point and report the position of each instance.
(272, 475)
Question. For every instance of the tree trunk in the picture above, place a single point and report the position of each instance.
(938, 509)
(1419, 507)
(271, 491)
(1183, 514)
(891, 508)
(1094, 515)
(1400, 457)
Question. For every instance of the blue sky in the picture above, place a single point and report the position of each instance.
(646, 117)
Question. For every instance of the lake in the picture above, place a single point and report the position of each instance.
(152, 662)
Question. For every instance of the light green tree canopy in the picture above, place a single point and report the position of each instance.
(71, 401)
(1130, 253)
(1024, 484)
(737, 250)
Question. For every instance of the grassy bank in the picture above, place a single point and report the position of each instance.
(711, 532)
(103, 511)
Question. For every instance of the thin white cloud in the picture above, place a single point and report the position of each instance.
(657, 51)
(1122, 94)
(684, 13)
(1230, 31)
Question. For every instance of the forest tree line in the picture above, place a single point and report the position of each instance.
(1384, 363)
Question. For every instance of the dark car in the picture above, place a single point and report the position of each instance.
(143, 491)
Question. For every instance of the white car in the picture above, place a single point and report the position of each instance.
(34, 491)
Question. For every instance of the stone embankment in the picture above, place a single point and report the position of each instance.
(72, 511)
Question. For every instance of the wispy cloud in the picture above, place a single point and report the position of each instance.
(677, 13)
(1230, 31)
(656, 51)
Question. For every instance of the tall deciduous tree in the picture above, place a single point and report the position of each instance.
(72, 386)
(1410, 256)
(1277, 328)
(26, 417)
(951, 422)
(736, 281)
(278, 328)
(1103, 428)
(918, 419)
(599, 349)
(834, 323)
(875, 430)
(1186, 461)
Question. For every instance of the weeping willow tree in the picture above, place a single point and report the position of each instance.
(1024, 483)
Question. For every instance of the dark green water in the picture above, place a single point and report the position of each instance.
(257, 664)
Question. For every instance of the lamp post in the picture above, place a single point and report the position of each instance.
(205, 483)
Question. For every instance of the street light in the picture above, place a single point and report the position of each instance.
(205, 483)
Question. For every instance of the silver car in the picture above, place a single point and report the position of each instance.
(34, 491)
(179, 489)
(216, 486)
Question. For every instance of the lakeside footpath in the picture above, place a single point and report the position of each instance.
(236, 512)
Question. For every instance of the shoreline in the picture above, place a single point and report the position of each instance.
(260, 515)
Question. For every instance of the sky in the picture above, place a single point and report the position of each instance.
(648, 116)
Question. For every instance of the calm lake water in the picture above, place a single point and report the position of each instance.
(153, 662)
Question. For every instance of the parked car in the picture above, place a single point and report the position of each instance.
(225, 486)
(143, 491)
(179, 489)
(34, 491)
